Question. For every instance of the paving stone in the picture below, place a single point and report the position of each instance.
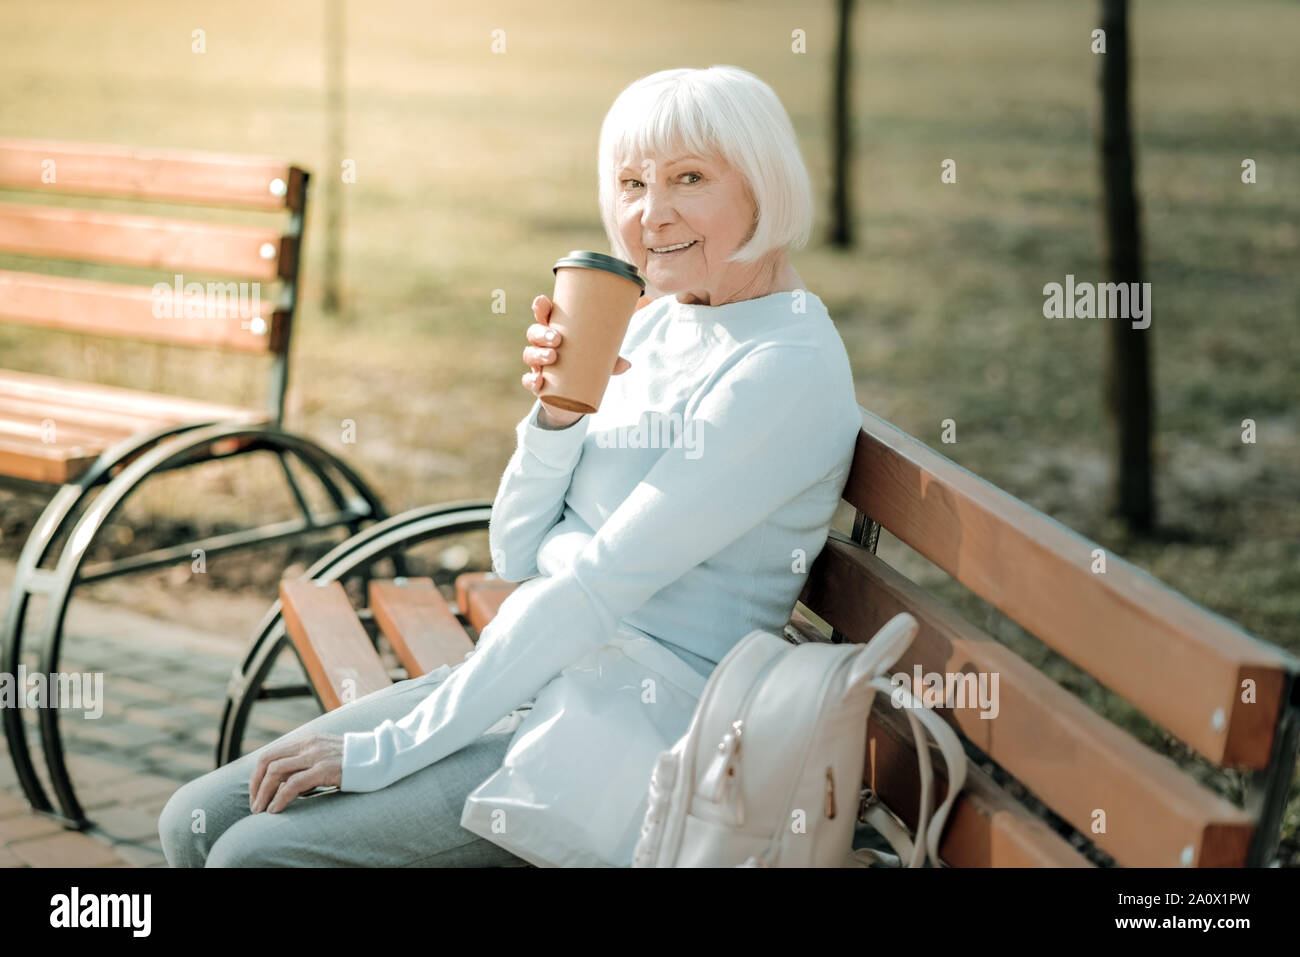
(126, 685)
(172, 772)
(198, 751)
(154, 805)
(173, 680)
(135, 791)
(124, 736)
(208, 736)
(140, 856)
(68, 849)
(11, 805)
(295, 708)
(93, 664)
(116, 702)
(107, 718)
(269, 724)
(218, 668)
(254, 740)
(116, 706)
(140, 785)
(23, 827)
(7, 859)
(122, 823)
(171, 654)
(177, 758)
(76, 747)
(205, 710)
(91, 801)
(173, 718)
(87, 771)
(128, 762)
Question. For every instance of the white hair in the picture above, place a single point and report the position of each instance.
(721, 111)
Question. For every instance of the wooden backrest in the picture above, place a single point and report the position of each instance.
(1211, 684)
(223, 297)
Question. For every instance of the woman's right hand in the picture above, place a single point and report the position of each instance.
(542, 350)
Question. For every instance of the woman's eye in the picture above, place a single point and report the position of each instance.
(634, 183)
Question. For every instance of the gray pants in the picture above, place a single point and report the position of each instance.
(414, 822)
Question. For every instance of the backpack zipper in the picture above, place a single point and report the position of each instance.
(674, 825)
(723, 765)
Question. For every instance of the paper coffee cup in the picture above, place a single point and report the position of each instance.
(595, 296)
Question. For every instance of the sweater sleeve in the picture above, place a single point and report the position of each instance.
(530, 498)
(766, 431)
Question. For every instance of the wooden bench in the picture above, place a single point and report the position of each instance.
(199, 281)
(1229, 697)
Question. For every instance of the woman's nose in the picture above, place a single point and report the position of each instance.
(657, 210)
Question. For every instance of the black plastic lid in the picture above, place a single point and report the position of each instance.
(587, 259)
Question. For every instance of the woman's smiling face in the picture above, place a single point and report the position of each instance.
(665, 202)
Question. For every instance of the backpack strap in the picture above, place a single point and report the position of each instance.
(929, 830)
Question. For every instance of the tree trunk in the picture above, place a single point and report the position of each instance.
(841, 232)
(1128, 398)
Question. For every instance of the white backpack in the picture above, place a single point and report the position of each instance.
(770, 771)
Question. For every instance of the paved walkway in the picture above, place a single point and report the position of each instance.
(163, 691)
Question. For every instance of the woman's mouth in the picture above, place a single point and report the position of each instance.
(672, 250)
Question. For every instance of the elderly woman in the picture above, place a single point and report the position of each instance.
(689, 546)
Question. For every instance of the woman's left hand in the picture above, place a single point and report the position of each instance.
(294, 767)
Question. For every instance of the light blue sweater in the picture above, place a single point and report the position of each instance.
(689, 509)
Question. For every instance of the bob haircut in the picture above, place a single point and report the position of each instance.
(720, 111)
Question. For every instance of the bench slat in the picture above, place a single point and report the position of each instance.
(54, 464)
(418, 622)
(87, 420)
(147, 241)
(114, 309)
(73, 398)
(28, 451)
(155, 174)
(479, 597)
(1122, 626)
(986, 827)
(25, 427)
(17, 409)
(1068, 755)
(331, 641)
